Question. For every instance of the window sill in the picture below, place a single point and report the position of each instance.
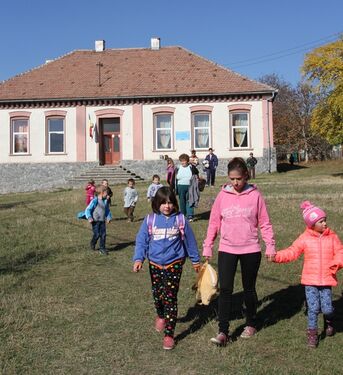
(163, 151)
(55, 153)
(19, 154)
(241, 149)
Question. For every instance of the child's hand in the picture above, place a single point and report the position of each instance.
(90, 220)
(137, 266)
(197, 267)
(108, 221)
(270, 258)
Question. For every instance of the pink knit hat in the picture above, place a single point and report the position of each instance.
(311, 213)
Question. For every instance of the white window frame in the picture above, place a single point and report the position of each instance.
(156, 131)
(232, 127)
(48, 132)
(209, 127)
(13, 134)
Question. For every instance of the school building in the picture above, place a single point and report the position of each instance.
(130, 107)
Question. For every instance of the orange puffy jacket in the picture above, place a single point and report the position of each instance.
(323, 256)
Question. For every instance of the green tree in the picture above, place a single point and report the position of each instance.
(323, 68)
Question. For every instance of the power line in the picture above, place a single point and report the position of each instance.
(297, 49)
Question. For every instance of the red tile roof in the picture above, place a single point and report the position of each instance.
(127, 73)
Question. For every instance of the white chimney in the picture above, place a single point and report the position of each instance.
(99, 45)
(155, 44)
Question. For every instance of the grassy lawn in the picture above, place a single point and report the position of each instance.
(67, 310)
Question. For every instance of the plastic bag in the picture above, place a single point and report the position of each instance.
(206, 285)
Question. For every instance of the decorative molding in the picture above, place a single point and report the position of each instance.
(109, 112)
(239, 107)
(20, 114)
(201, 108)
(163, 109)
(55, 112)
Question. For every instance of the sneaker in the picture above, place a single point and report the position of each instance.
(221, 339)
(103, 251)
(312, 338)
(248, 332)
(168, 343)
(190, 219)
(92, 247)
(159, 324)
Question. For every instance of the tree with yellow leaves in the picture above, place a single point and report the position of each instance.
(323, 67)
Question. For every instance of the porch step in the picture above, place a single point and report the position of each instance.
(115, 174)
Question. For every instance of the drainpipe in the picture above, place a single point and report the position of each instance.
(270, 99)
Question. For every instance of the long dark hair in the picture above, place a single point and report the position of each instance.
(238, 164)
(163, 195)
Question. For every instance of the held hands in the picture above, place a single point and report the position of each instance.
(197, 267)
(137, 266)
(270, 258)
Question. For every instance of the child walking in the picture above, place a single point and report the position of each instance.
(90, 191)
(165, 238)
(152, 189)
(323, 257)
(97, 213)
(130, 199)
(238, 211)
(109, 190)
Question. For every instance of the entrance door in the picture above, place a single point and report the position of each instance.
(110, 140)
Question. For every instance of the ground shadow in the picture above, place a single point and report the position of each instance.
(283, 304)
(287, 167)
(203, 215)
(120, 246)
(338, 308)
(200, 315)
(22, 264)
(337, 175)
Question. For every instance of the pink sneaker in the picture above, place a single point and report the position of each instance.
(248, 332)
(221, 339)
(168, 343)
(159, 324)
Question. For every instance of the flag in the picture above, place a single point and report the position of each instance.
(96, 134)
(91, 126)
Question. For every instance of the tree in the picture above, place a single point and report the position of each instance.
(323, 68)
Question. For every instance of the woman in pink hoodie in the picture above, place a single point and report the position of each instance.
(237, 212)
(323, 257)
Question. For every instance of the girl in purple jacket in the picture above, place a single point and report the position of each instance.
(237, 212)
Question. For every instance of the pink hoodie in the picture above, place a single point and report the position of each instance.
(237, 217)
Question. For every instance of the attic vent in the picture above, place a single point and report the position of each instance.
(99, 45)
(155, 44)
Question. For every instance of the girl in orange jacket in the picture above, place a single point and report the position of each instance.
(323, 257)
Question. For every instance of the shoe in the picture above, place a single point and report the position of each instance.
(221, 339)
(190, 220)
(159, 324)
(168, 343)
(103, 251)
(248, 332)
(329, 331)
(312, 338)
(92, 247)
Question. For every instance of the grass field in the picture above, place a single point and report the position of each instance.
(67, 310)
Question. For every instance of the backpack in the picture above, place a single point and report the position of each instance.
(180, 221)
(206, 285)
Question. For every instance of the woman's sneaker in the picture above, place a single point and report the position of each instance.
(221, 339)
(248, 332)
(168, 343)
(159, 324)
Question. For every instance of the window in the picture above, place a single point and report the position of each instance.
(55, 132)
(163, 131)
(239, 129)
(201, 130)
(20, 136)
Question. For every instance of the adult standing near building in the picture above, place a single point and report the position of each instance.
(212, 166)
(251, 162)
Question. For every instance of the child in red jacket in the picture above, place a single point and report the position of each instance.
(323, 257)
(90, 191)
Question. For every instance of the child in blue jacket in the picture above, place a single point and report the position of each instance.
(165, 238)
(97, 213)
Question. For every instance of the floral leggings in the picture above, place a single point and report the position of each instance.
(165, 283)
(319, 299)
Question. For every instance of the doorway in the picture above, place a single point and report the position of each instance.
(110, 145)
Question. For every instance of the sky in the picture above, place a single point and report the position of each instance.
(252, 37)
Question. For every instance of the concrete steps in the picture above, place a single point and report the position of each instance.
(115, 174)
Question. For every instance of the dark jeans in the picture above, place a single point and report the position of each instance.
(99, 230)
(211, 176)
(227, 266)
(183, 200)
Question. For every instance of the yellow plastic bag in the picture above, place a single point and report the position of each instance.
(206, 285)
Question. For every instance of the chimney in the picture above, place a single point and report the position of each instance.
(155, 44)
(99, 45)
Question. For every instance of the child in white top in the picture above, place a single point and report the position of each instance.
(152, 189)
(130, 199)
